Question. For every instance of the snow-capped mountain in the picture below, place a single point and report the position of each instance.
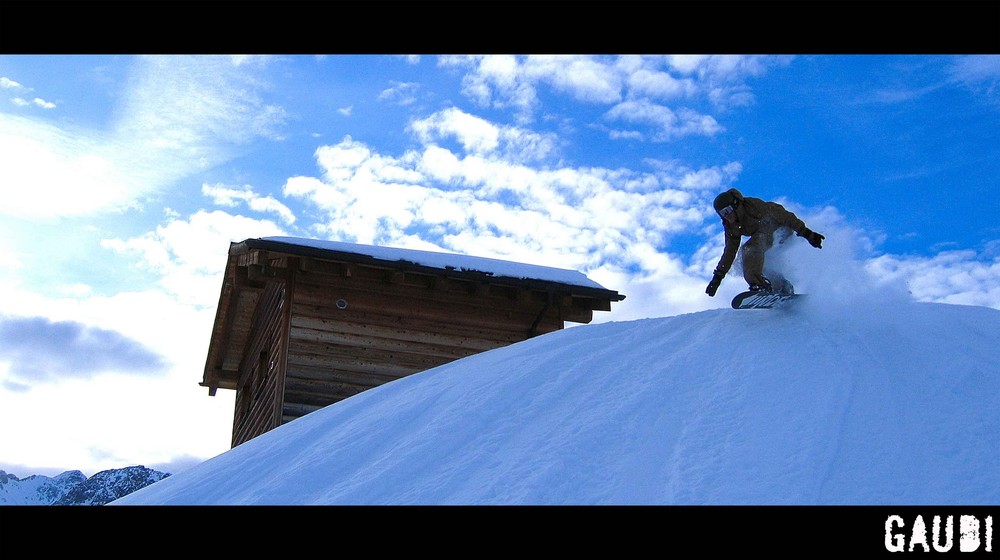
(72, 488)
(37, 490)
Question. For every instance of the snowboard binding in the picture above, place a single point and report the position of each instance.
(765, 296)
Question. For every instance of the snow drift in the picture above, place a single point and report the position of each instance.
(871, 401)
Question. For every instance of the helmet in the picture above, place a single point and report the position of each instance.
(725, 199)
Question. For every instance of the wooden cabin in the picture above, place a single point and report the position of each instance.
(302, 323)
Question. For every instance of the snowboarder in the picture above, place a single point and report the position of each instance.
(760, 220)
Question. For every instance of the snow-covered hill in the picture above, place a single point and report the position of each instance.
(73, 488)
(865, 401)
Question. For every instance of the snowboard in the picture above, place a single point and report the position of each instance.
(762, 300)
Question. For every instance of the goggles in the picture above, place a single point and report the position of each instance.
(725, 212)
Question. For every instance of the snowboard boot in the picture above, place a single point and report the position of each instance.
(783, 286)
(780, 286)
(765, 287)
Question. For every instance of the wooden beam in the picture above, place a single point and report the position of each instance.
(437, 283)
(264, 272)
(481, 289)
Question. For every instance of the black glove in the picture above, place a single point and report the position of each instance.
(814, 239)
(713, 286)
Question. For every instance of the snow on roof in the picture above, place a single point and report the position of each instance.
(445, 261)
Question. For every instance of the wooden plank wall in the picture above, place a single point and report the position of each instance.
(355, 327)
(259, 391)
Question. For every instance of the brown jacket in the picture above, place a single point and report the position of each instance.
(754, 217)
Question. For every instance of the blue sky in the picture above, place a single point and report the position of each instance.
(124, 178)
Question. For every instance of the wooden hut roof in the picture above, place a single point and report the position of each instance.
(239, 293)
(451, 264)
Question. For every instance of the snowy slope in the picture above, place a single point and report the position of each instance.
(874, 402)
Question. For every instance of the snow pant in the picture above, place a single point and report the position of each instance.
(752, 255)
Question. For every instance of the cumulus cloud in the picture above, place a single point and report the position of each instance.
(484, 196)
(230, 196)
(663, 123)
(481, 137)
(584, 78)
(504, 81)
(401, 93)
(664, 92)
(658, 84)
(960, 277)
(38, 102)
(723, 79)
(190, 255)
(475, 134)
(495, 81)
(38, 350)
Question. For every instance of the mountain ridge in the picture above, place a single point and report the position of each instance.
(73, 488)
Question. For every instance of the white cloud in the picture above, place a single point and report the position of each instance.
(401, 93)
(960, 277)
(730, 68)
(483, 198)
(475, 134)
(178, 116)
(495, 81)
(129, 419)
(584, 78)
(47, 171)
(231, 197)
(481, 137)
(508, 81)
(723, 78)
(7, 83)
(660, 85)
(665, 123)
(190, 255)
(630, 83)
(196, 103)
(173, 319)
